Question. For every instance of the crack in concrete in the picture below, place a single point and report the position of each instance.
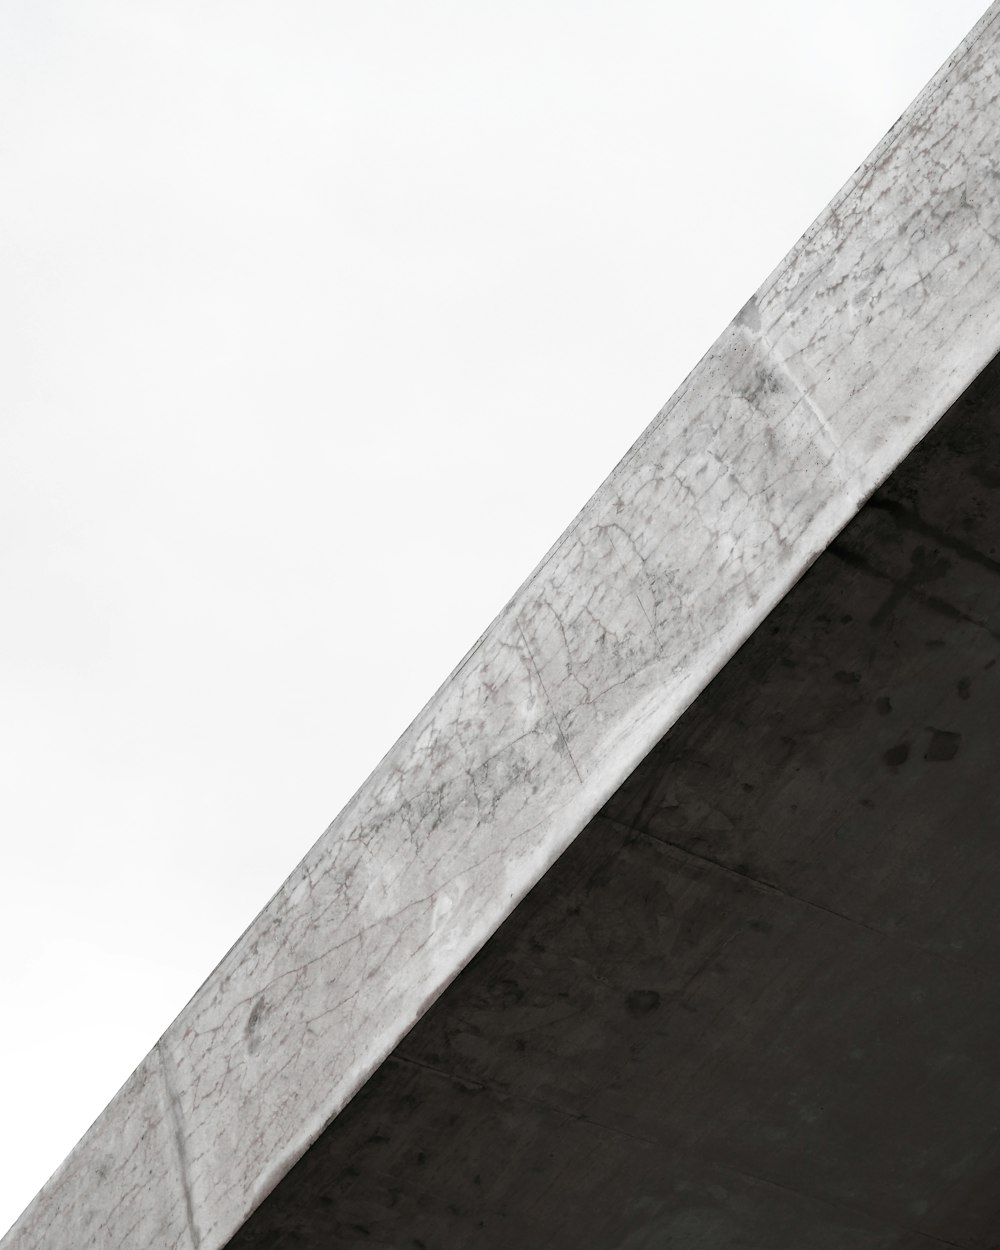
(838, 1205)
(768, 886)
(489, 1087)
(174, 1112)
(552, 710)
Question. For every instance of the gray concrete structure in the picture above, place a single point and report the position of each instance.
(756, 1004)
(752, 1005)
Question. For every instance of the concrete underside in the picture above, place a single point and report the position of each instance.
(756, 1003)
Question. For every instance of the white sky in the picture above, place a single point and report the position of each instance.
(320, 321)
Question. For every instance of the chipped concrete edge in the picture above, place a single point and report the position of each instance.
(876, 321)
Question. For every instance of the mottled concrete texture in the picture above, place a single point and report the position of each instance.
(755, 1005)
(875, 323)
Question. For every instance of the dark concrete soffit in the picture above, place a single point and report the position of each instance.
(863, 336)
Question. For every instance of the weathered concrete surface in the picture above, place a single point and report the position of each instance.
(755, 1006)
(844, 359)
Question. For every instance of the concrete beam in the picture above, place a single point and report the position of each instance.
(857, 343)
(754, 1006)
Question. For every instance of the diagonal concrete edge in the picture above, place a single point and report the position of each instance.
(875, 322)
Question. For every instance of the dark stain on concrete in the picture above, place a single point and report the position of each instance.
(943, 746)
(251, 1031)
(642, 1002)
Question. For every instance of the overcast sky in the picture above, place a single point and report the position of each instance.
(320, 321)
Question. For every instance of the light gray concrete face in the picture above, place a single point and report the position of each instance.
(843, 360)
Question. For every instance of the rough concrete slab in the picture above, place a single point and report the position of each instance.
(844, 359)
(755, 1003)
